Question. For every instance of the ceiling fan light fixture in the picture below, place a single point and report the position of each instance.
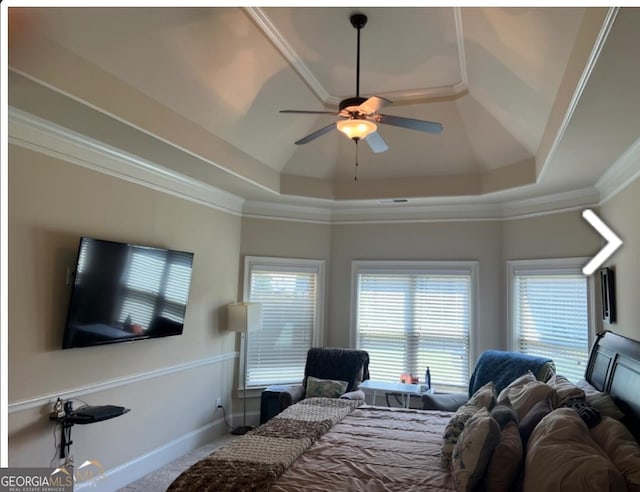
(357, 128)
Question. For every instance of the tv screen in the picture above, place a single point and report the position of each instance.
(123, 292)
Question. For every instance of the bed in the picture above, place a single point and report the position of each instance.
(332, 444)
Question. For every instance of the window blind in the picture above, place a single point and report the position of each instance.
(551, 318)
(410, 321)
(278, 352)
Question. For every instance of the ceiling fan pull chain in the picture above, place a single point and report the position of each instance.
(355, 177)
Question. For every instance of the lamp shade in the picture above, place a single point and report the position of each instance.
(356, 128)
(244, 317)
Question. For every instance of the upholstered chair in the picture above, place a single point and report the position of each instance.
(498, 366)
(331, 364)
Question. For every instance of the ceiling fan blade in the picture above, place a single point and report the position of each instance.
(376, 144)
(420, 125)
(373, 105)
(316, 134)
(299, 111)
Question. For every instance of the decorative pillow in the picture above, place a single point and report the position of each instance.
(325, 388)
(533, 418)
(506, 460)
(602, 401)
(485, 397)
(562, 455)
(589, 414)
(524, 396)
(473, 450)
(528, 377)
(503, 413)
(565, 389)
(619, 444)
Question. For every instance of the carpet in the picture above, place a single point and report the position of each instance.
(159, 480)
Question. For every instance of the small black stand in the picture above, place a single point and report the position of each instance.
(83, 416)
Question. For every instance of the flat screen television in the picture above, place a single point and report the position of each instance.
(124, 292)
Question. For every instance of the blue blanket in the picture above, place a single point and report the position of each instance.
(502, 367)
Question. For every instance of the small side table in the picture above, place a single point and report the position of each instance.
(404, 389)
(270, 402)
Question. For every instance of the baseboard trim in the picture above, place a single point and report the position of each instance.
(133, 470)
(137, 468)
(39, 401)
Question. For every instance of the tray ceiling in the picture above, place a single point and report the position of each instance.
(518, 90)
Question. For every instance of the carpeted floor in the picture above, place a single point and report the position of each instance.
(159, 480)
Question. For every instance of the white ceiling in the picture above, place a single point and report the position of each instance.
(533, 100)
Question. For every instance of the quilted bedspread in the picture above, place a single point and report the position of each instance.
(256, 460)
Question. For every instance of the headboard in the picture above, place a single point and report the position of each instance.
(614, 367)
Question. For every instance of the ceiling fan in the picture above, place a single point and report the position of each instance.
(360, 114)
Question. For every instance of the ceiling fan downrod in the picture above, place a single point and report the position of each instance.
(358, 21)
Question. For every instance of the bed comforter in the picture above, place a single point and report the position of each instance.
(326, 444)
(374, 449)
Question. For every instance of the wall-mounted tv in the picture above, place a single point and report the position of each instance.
(124, 292)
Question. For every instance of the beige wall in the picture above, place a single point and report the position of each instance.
(479, 241)
(491, 243)
(51, 204)
(621, 214)
(558, 235)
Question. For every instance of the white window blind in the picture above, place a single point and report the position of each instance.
(408, 320)
(291, 308)
(550, 316)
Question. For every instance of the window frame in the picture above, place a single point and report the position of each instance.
(316, 266)
(549, 266)
(470, 267)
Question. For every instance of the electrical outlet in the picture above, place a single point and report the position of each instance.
(218, 402)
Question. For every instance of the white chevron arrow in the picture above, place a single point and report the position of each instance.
(613, 242)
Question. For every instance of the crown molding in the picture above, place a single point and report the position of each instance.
(264, 23)
(553, 203)
(464, 209)
(585, 74)
(40, 135)
(462, 56)
(255, 209)
(32, 132)
(623, 172)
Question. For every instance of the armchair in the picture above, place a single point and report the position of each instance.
(498, 366)
(340, 364)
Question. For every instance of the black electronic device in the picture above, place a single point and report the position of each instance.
(123, 292)
(95, 413)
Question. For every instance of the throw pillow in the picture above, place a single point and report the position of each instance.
(533, 418)
(325, 388)
(528, 377)
(602, 401)
(589, 414)
(619, 444)
(473, 450)
(565, 389)
(485, 397)
(504, 413)
(523, 397)
(506, 461)
(562, 455)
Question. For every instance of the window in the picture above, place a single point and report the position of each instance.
(551, 312)
(410, 315)
(290, 292)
